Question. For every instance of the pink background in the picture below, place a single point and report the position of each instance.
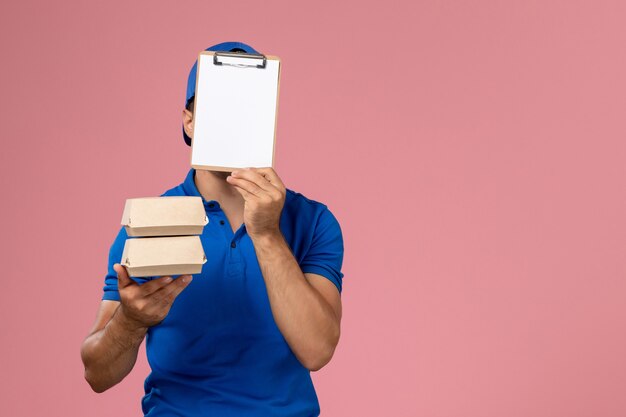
(474, 153)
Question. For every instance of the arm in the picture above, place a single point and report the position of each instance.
(110, 350)
(306, 307)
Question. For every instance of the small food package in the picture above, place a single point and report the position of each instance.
(164, 216)
(163, 236)
(160, 256)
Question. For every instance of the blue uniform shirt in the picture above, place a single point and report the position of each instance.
(219, 352)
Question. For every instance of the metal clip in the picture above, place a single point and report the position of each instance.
(240, 55)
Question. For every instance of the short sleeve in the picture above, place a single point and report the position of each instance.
(325, 255)
(115, 256)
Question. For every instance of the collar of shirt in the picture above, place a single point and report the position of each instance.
(190, 189)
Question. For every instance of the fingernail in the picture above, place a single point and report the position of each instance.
(187, 278)
(234, 173)
(168, 279)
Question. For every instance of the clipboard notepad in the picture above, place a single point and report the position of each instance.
(235, 111)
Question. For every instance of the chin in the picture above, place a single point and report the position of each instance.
(221, 174)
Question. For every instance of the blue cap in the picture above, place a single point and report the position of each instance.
(191, 80)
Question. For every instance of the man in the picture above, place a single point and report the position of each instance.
(241, 338)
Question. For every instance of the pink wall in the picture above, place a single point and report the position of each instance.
(474, 153)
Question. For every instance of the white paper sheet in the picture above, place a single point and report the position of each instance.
(235, 114)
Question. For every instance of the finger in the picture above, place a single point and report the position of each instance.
(176, 287)
(272, 177)
(123, 280)
(246, 195)
(154, 285)
(254, 177)
(246, 185)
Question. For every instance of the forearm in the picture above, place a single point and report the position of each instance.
(110, 353)
(307, 322)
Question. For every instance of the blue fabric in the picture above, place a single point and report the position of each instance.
(219, 351)
(191, 79)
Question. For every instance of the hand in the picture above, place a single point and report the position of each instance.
(264, 195)
(147, 304)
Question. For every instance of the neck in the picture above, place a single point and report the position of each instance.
(212, 185)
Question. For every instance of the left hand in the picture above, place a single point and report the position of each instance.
(264, 195)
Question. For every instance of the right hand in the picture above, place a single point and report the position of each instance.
(146, 305)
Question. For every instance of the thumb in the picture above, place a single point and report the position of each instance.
(122, 276)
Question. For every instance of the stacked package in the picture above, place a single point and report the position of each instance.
(164, 236)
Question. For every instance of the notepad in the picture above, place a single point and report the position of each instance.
(235, 111)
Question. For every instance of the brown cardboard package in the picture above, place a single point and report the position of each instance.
(164, 216)
(159, 256)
